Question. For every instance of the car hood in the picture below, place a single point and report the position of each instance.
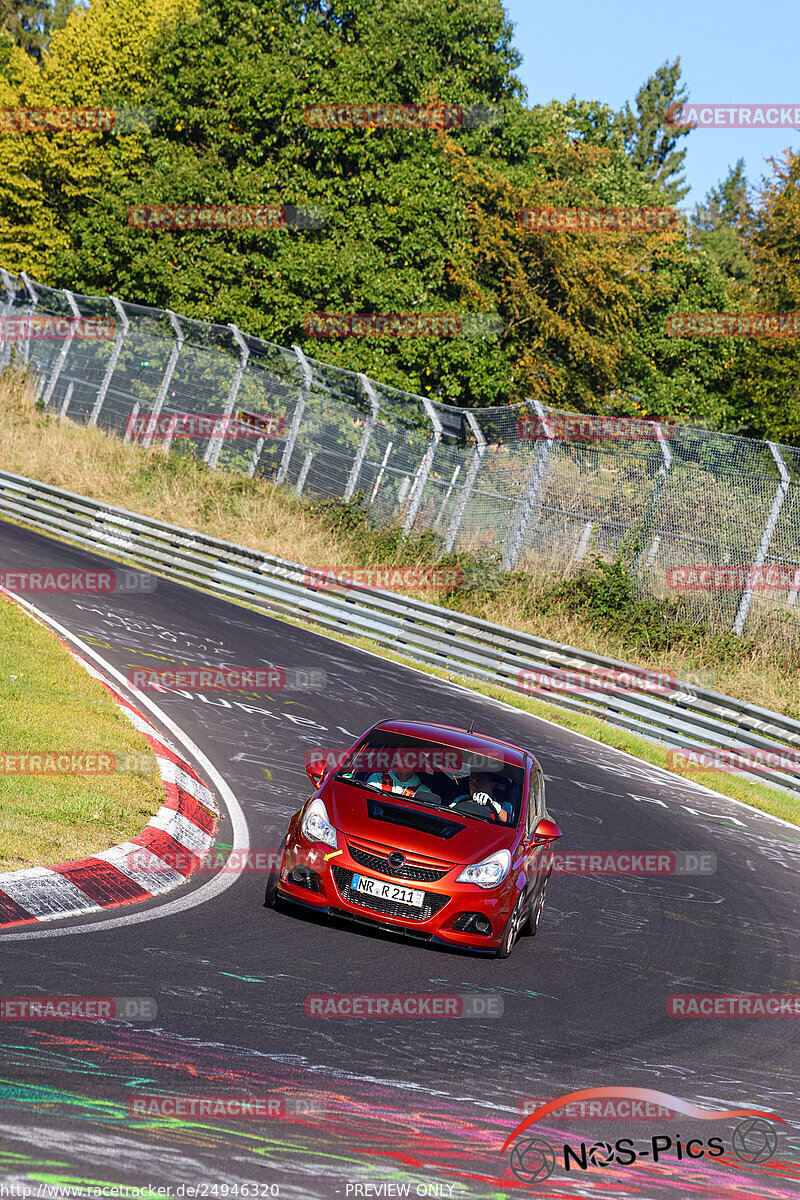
(389, 820)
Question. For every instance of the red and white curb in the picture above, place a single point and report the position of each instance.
(172, 844)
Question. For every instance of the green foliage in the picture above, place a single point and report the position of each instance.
(30, 24)
(649, 143)
(720, 226)
(420, 221)
(605, 596)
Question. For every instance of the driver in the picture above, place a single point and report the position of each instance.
(400, 781)
(482, 787)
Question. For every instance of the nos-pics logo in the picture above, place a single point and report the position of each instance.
(533, 1159)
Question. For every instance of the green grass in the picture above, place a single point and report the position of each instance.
(48, 702)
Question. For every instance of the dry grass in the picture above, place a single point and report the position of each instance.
(254, 513)
(48, 702)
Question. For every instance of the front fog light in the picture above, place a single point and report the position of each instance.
(489, 872)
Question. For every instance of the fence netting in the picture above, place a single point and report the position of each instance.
(707, 519)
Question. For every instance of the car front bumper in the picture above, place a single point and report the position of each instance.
(309, 877)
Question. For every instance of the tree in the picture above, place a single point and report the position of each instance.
(30, 24)
(767, 384)
(721, 225)
(649, 141)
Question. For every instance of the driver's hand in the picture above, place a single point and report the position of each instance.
(486, 799)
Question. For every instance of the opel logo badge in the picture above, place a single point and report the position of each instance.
(396, 859)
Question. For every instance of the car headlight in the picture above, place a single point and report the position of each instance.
(489, 872)
(316, 824)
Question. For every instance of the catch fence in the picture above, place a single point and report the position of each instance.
(521, 486)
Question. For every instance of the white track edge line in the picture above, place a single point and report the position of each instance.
(241, 833)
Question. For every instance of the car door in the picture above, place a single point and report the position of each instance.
(537, 855)
(528, 848)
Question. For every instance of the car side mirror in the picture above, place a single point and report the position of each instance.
(316, 770)
(545, 831)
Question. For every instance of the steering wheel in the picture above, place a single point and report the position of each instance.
(477, 809)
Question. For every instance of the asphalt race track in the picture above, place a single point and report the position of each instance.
(384, 1104)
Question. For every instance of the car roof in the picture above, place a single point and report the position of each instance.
(460, 739)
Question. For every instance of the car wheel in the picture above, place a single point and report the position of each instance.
(271, 892)
(536, 912)
(512, 929)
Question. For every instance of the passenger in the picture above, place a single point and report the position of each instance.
(400, 781)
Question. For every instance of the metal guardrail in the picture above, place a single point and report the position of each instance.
(684, 716)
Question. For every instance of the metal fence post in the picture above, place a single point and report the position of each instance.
(374, 409)
(381, 471)
(583, 542)
(64, 351)
(29, 288)
(130, 427)
(517, 535)
(301, 478)
(215, 443)
(166, 381)
(652, 506)
(299, 409)
(425, 467)
(11, 293)
(766, 538)
(119, 341)
(65, 402)
(469, 483)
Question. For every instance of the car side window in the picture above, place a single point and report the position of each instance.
(540, 805)
(530, 820)
(535, 800)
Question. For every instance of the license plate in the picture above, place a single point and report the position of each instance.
(412, 897)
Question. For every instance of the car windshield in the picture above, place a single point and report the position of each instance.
(480, 787)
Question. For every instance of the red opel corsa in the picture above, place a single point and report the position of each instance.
(433, 832)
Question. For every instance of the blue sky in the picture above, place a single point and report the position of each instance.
(732, 52)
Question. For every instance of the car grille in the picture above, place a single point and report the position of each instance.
(375, 862)
(433, 901)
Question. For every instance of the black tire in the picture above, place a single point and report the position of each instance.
(512, 929)
(271, 890)
(536, 912)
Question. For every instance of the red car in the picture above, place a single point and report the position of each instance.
(433, 832)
